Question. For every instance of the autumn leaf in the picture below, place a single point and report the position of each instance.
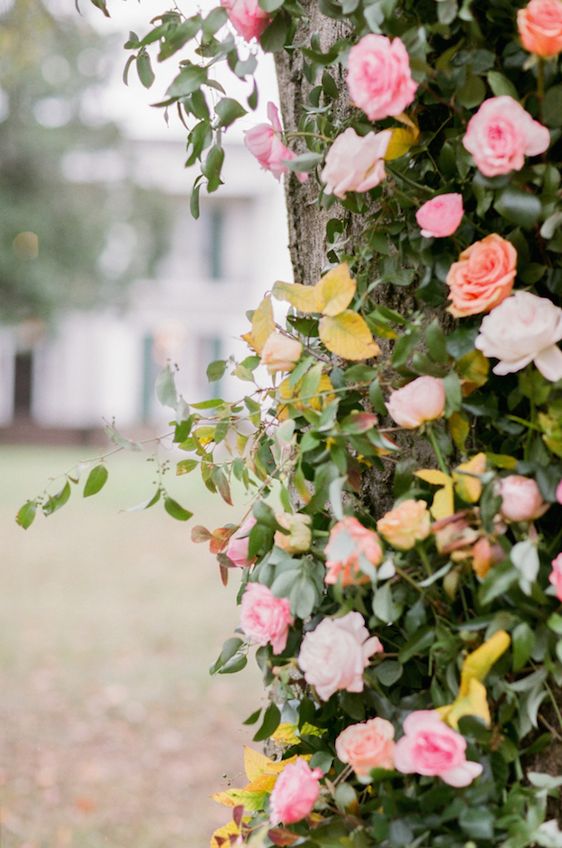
(303, 298)
(443, 501)
(401, 140)
(263, 325)
(289, 396)
(466, 478)
(474, 703)
(330, 296)
(221, 836)
(347, 335)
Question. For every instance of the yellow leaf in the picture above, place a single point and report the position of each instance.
(474, 703)
(443, 502)
(224, 832)
(256, 764)
(330, 296)
(347, 335)
(433, 476)
(468, 487)
(473, 369)
(477, 664)
(502, 460)
(252, 800)
(459, 428)
(286, 734)
(336, 290)
(289, 396)
(401, 140)
(263, 325)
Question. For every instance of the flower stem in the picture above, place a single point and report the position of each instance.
(436, 449)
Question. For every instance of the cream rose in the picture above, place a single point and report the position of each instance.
(417, 402)
(354, 162)
(367, 746)
(298, 539)
(523, 329)
(406, 524)
(280, 353)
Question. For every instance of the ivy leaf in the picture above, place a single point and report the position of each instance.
(347, 335)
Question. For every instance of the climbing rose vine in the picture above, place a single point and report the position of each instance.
(400, 556)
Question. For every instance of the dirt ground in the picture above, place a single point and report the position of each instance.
(113, 735)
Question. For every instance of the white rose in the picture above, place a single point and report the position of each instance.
(280, 353)
(524, 328)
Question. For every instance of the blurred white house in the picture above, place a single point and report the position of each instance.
(102, 364)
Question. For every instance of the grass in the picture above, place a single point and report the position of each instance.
(113, 733)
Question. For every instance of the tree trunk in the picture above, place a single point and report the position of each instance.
(307, 243)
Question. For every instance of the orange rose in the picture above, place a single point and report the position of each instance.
(482, 277)
(405, 525)
(540, 27)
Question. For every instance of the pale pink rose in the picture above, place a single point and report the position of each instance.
(379, 78)
(348, 545)
(367, 746)
(265, 142)
(295, 793)
(237, 548)
(540, 27)
(482, 277)
(441, 216)
(559, 492)
(406, 524)
(523, 329)
(264, 618)
(354, 162)
(246, 17)
(417, 402)
(335, 655)
(299, 537)
(555, 576)
(280, 353)
(521, 499)
(501, 134)
(432, 748)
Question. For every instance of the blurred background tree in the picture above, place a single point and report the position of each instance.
(74, 227)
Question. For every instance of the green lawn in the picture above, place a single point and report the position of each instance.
(113, 733)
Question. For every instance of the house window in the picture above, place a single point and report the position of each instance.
(149, 371)
(23, 381)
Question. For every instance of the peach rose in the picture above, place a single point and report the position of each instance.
(295, 793)
(379, 78)
(265, 142)
(367, 746)
(264, 618)
(335, 655)
(555, 576)
(246, 17)
(501, 134)
(482, 277)
(441, 216)
(417, 402)
(521, 499)
(485, 555)
(349, 547)
(540, 27)
(354, 162)
(406, 524)
(237, 548)
(431, 748)
(523, 329)
(280, 353)
(298, 540)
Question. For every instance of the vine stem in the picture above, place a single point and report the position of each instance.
(299, 134)
(540, 84)
(423, 556)
(436, 449)
(554, 704)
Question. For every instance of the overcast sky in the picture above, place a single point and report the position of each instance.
(130, 105)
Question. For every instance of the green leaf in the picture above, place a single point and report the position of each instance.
(175, 509)
(228, 111)
(187, 81)
(384, 605)
(472, 92)
(230, 651)
(519, 207)
(97, 478)
(418, 644)
(305, 162)
(212, 167)
(144, 69)
(274, 37)
(453, 394)
(552, 107)
(389, 672)
(270, 723)
(500, 579)
(214, 21)
(57, 501)
(26, 514)
(436, 342)
(501, 85)
(477, 822)
(165, 387)
(216, 370)
(270, 5)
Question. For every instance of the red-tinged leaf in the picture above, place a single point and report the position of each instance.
(220, 537)
(224, 574)
(200, 534)
(237, 814)
(282, 836)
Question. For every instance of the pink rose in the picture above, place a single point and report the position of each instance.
(295, 793)
(431, 748)
(482, 277)
(421, 400)
(441, 216)
(501, 134)
(335, 655)
(367, 746)
(280, 353)
(246, 17)
(349, 544)
(521, 499)
(237, 548)
(264, 618)
(354, 162)
(265, 142)
(379, 78)
(540, 27)
(555, 576)
(523, 329)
